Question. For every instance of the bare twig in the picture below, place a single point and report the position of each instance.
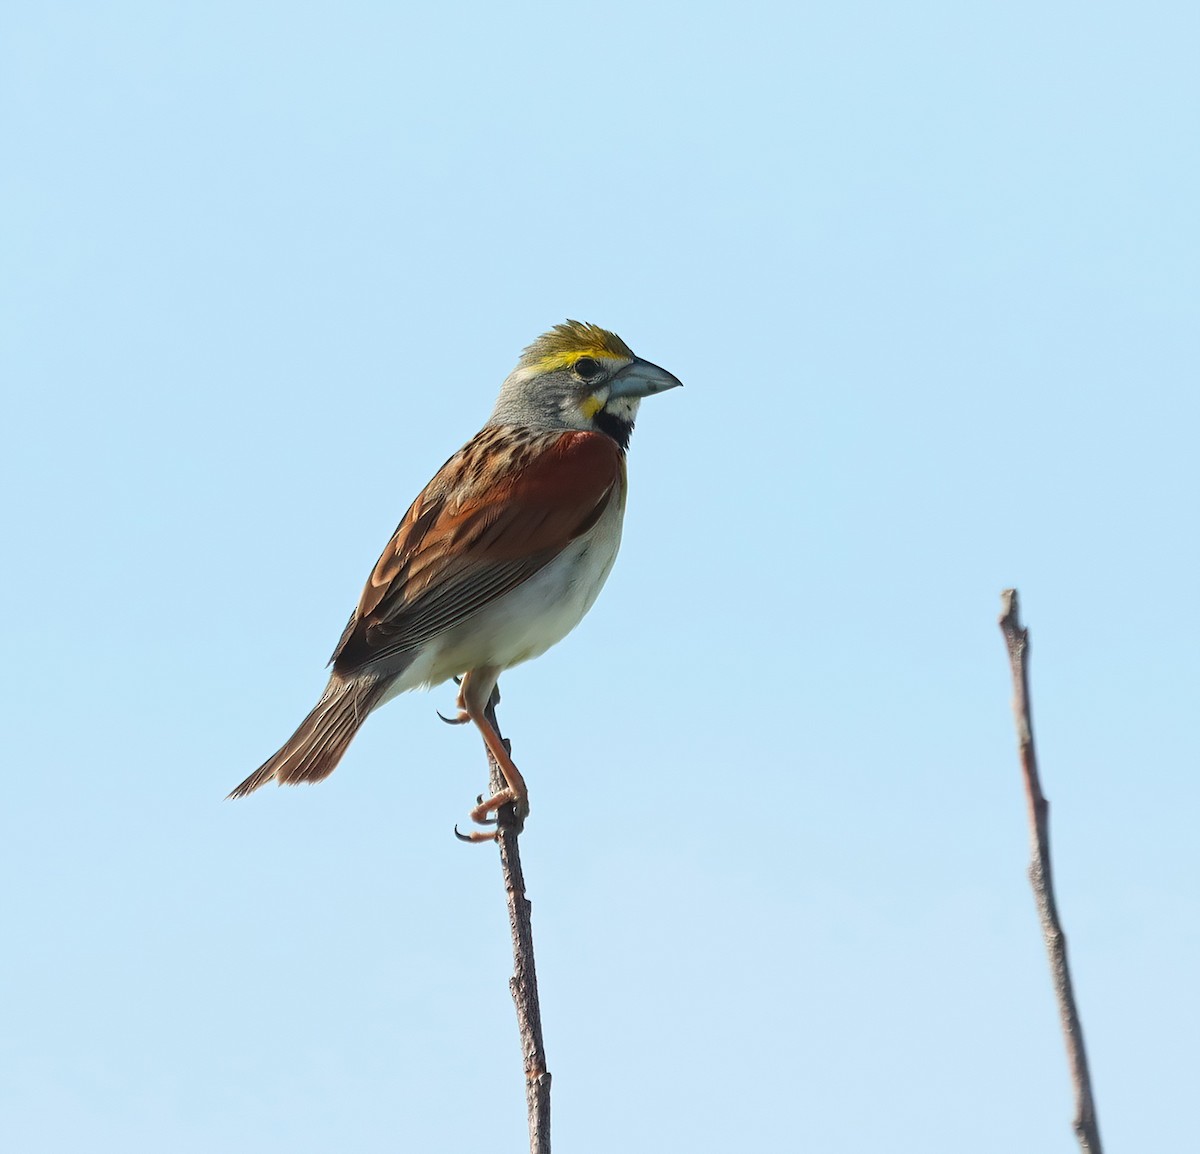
(523, 983)
(1016, 637)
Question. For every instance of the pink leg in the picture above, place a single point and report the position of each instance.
(473, 697)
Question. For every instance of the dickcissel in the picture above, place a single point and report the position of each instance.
(499, 558)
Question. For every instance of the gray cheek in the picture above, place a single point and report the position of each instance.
(572, 418)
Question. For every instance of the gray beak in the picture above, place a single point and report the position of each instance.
(641, 379)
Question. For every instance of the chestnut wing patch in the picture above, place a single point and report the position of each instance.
(476, 533)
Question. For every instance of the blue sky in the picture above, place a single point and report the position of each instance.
(929, 273)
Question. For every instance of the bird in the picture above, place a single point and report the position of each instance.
(499, 557)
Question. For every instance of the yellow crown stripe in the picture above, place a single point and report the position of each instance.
(564, 344)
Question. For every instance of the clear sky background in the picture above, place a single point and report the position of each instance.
(930, 273)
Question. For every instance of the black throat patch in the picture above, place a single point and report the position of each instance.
(616, 427)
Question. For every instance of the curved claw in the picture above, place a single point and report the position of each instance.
(461, 719)
(475, 837)
(479, 809)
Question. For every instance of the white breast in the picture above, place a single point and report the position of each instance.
(527, 621)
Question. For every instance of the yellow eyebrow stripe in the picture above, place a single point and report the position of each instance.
(556, 361)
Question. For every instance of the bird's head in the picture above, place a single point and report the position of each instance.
(580, 376)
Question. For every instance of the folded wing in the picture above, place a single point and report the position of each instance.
(499, 510)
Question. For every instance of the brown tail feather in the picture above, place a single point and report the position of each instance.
(313, 751)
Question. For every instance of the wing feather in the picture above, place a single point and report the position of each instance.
(498, 511)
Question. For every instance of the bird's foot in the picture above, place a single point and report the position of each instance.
(481, 814)
(486, 807)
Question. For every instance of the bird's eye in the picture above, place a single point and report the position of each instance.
(587, 369)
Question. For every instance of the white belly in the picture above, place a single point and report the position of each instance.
(527, 621)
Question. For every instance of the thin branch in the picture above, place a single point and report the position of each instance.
(1016, 637)
(523, 983)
